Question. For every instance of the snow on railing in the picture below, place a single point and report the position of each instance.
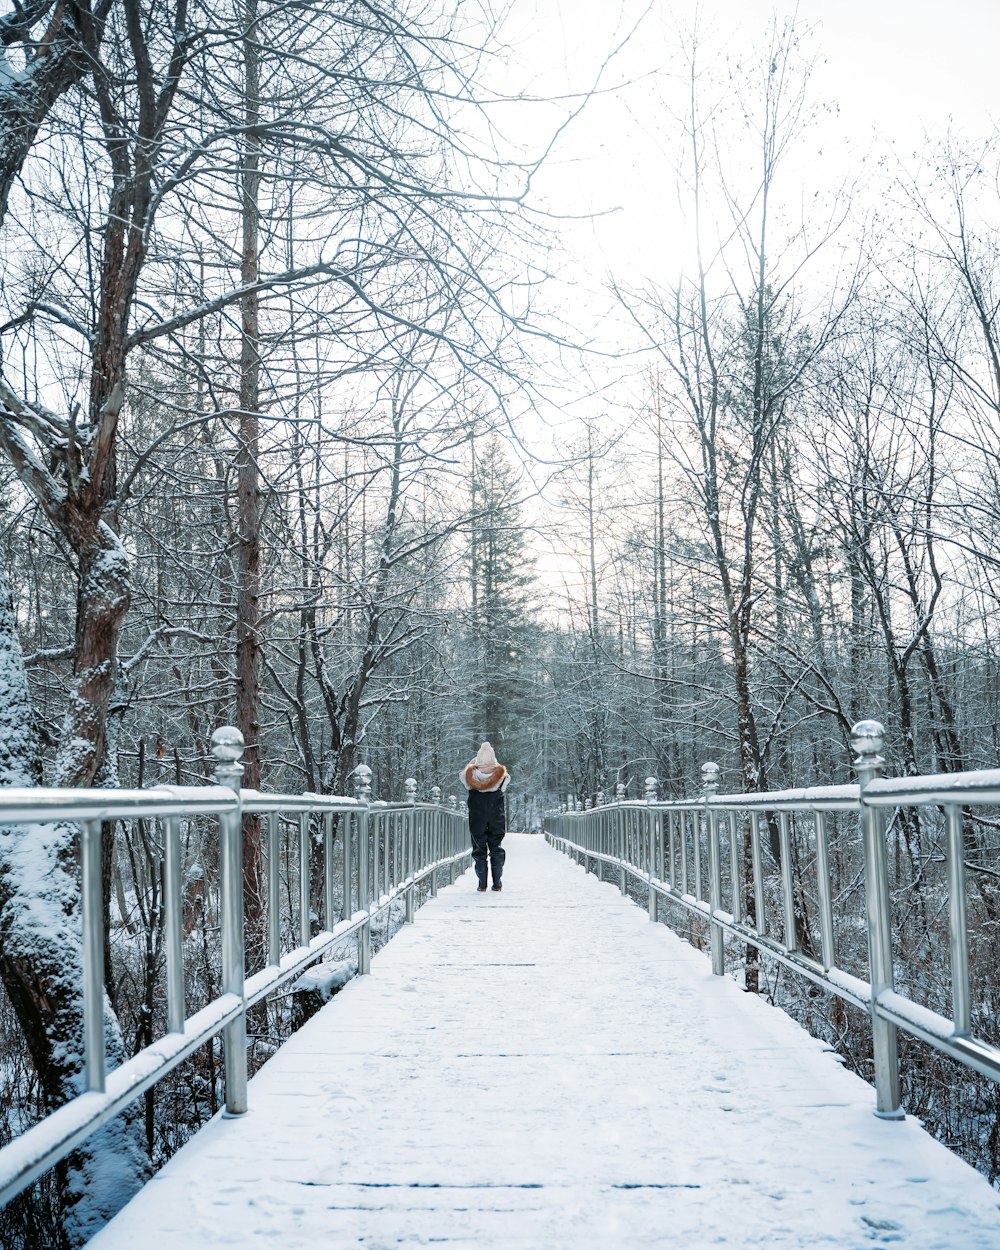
(665, 844)
(386, 851)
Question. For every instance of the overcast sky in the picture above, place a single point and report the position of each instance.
(889, 69)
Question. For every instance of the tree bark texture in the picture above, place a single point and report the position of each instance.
(248, 642)
(41, 964)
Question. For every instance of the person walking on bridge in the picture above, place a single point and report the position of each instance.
(486, 780)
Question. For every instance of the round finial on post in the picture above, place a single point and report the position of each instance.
(600, 798)
(586, 804)
(562, 808)
(650, 786)
(410, 789)
(227, 748)
(452, 801)
(227, 744)
(620, 792)
(710, 777)
(435, 794)
(867, 741)
(362, 783)
(867, 738)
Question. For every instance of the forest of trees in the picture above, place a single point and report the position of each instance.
(267, 297)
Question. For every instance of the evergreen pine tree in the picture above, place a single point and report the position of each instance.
(504, 635)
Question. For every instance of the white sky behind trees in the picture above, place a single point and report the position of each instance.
(889, 70)
(888, 76)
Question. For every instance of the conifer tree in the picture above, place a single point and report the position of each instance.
(504, 635)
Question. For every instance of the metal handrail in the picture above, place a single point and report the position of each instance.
(662, 844)
(405, 844)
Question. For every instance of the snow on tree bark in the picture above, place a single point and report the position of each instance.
(41, 963)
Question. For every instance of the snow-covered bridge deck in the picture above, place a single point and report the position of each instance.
(547, 1069)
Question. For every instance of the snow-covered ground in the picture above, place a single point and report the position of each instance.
(545, 1069)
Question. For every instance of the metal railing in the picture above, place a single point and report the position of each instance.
(707, 855)
(386, 850)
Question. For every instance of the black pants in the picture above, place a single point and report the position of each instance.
(487, 827)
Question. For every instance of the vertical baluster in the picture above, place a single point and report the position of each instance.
(652, 864)
(304, 868)
(379, 854)
(828, 950)
(386, 832)
(173, 923)
(787, 883)
(687, 820)
(420, 860)
(958, 930)
(734, 866)
(273, 889)
(436, 848)
(92, 909)
(347, 822)
(390, 833)
(758, 874)
(697, 820)
(370, 850)
(662, 872)
(328, 904)
(382, 844)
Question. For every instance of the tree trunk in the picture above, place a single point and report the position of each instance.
(248, 496)
(41, 963)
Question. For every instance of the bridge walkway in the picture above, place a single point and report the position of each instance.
(545, 1069)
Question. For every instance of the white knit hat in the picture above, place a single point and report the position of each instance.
(486, 759)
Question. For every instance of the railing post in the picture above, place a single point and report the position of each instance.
(227, 748)
(436, 851)
(710, 784)
(410, 788)
(452, 839)
(620, 835)
(867, 740)
(363, 792)
(650, 796)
